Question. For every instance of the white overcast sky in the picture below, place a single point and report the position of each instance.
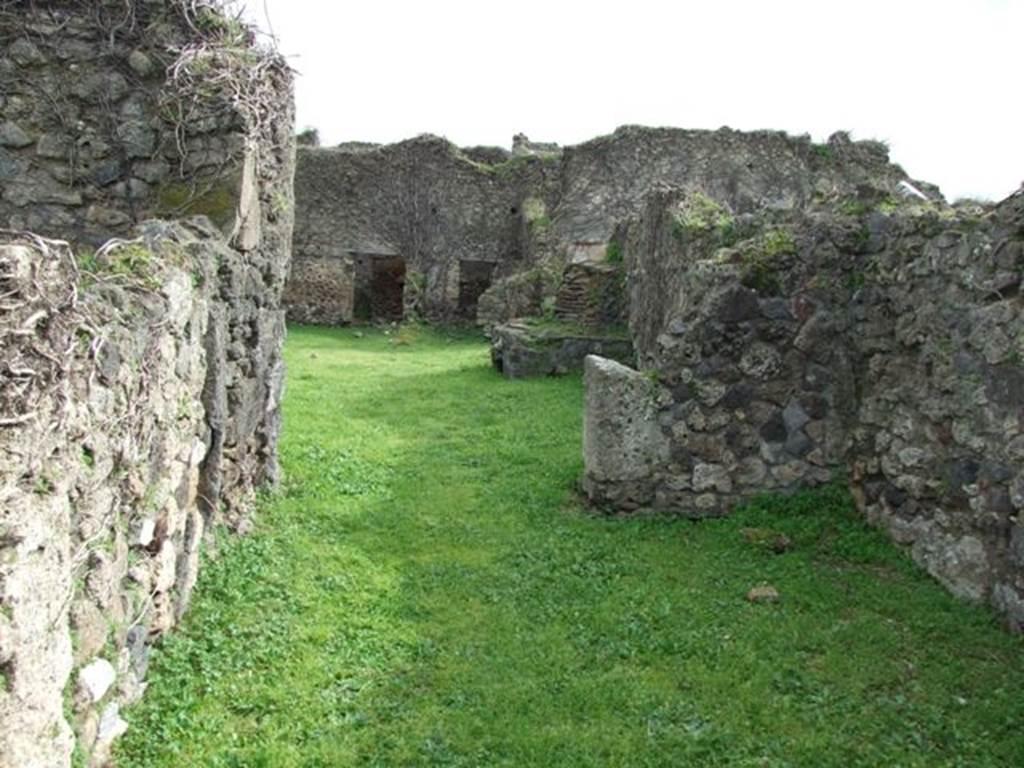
(942, 81)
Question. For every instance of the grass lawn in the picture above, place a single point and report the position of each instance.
(426, 590)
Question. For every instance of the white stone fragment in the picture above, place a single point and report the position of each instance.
(112, 725)
(97, 678)
(198, 453)
(909, 190)
(144, 533)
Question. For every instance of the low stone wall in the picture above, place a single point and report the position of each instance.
(880, 341)
(520, 351)
(623, 442)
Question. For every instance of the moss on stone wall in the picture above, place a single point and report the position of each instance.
(217, 201)
(698, 215)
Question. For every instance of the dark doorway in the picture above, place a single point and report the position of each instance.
(474, 279)
(387, 288)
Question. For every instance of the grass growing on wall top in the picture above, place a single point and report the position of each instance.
(427, 592)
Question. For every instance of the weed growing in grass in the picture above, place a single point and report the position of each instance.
(339, 473)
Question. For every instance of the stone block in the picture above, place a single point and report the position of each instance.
(14, 136)
(622, 441)
(707, 477)
(95, 679)
(519, 351)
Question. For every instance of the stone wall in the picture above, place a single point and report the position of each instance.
(101, 451)
(142, 387)
(321, 291)
(172, 110)
(879, 339)
(521, 349)
(540, 207)
(423, 201)
(606, 180)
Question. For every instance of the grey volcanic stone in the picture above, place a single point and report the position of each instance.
(775, 309)
(141, 64)
(736, 305)
(787, 360)
(798, 444)
(25, 53)
(623, 444)
(795, 417)
(13, 135)
(53, 146)
(521, 352)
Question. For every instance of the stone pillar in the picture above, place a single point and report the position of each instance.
(624, 449)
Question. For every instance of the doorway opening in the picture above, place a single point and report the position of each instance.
(474, 278)
(385, 293)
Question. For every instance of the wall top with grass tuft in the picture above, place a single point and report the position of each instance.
(114, 112)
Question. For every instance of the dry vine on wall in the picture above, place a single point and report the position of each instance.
(141, 128)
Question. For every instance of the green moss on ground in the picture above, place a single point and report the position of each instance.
(427, 591)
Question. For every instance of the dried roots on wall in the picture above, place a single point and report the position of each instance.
(101, 449)
(174, 108)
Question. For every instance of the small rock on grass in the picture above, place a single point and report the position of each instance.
(763, 594)
(769, 539)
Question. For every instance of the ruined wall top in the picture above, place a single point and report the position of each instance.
(539, 206)
(605, 179)
(588, 187)
(122, 111)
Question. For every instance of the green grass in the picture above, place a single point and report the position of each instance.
(426, 591)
